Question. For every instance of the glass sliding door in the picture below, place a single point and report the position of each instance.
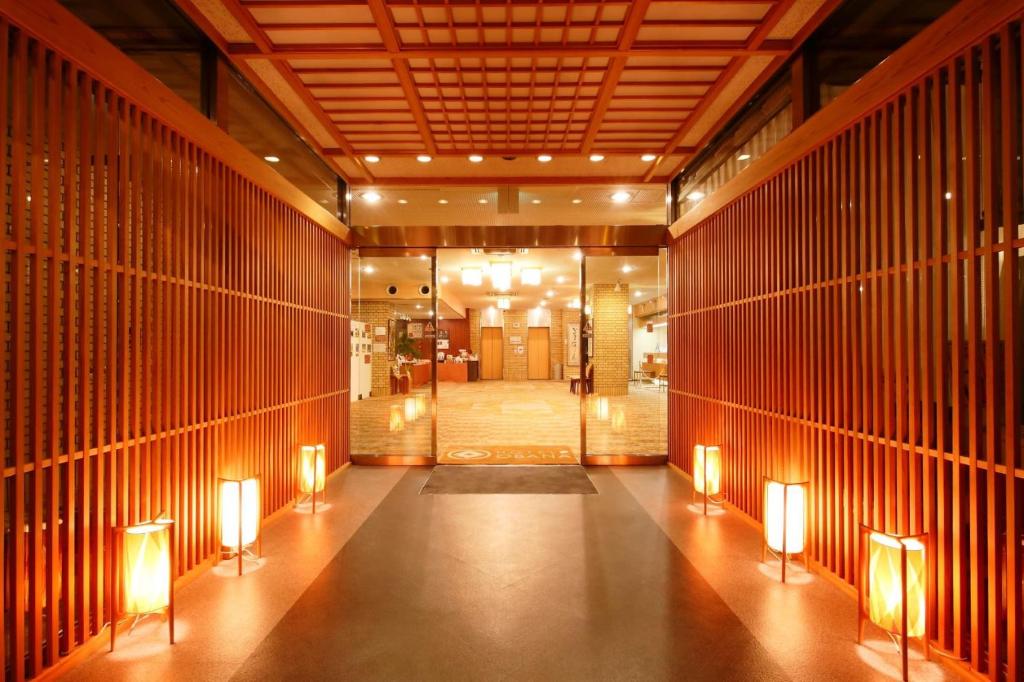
(393, 328)
(626, 355)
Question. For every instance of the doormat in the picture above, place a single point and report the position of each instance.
(487, 480)
(508, 454)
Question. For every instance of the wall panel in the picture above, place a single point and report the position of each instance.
(166, 321)
(855, 320)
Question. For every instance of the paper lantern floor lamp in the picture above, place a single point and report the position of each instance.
(143, 580)
(241, 529)
(312, 472)
(784, 534)
(893, 580)
(707, 474)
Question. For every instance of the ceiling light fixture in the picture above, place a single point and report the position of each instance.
(530, 277)
(638, 294)
(560, 279)
(550, 293)
(270, 158)
(597, 157)
(403, 201)
(481, 201)
(544, 158)
(371, 158)
(626, 269)
(743, 157)
(695, 195)
(369, 269)
(577, 201)
(648, 157)
(472, 277)
(372, 197)
(535, 201)
(424, 256)
(543, 303)
(621, 197)
(501, 276)
(445, 279)
(577, 255)
(442, 201)
(475, 158)
(424, 158)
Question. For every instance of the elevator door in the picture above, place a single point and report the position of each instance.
(538, 364)
(491, 352)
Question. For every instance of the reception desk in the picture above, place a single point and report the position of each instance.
(453, 371)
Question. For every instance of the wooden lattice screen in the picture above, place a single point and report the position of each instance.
(165, 321)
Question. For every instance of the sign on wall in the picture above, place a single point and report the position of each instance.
(572, 343)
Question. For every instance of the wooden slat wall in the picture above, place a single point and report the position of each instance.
(855, 321)
(166, 321)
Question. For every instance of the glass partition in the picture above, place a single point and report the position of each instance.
(626, 355)
(392, 369)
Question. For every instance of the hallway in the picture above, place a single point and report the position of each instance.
(388, 583)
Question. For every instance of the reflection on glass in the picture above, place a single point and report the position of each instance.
(392, 327)
(626, 310)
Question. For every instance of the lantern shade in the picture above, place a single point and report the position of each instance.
(601, 407)
(707, 466)
(410, 409)
(312, 468)
(396, 422)
(784, 516)
(146, 568)
(885, 583)
(240, 497)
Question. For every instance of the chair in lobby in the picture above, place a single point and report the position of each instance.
(574, 382)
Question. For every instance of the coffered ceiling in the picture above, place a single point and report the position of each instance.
(613, 91)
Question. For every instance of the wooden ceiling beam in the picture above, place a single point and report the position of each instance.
(346, 52)
(382, 17)
(462, 25)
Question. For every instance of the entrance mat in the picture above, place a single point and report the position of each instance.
(487, 480)
(508, 454)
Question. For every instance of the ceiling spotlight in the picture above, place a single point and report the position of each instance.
(430, 313)
(403, 201)
(543, 303)
(501, 276)
(419, 307)
(371, 197)
(743, 157)
(597, 157)
(535, 201)
(424, 256)
(621, 197)
(695, 195)
(424, 158)
(481, 201)
(475, 158)
(440, 317)
(271, 158)
(577, 255)
(445, 279)
(442, 201)
(577, 201)
(369, 269)
(371, 158)
(544, 158)
(472, 277)
(626, 269)
(550, 293)
(638, 294)
(648, 157)
(560, 279)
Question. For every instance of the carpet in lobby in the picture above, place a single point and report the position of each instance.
(529, 480)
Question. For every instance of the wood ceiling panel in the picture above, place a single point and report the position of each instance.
(569, 78)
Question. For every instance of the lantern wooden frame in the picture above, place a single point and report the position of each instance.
(114, 589)
(782, 555)
(716, 499)
(863, 593)
(244, 551)
(319, 453)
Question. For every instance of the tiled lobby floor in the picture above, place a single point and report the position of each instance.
(390, 584)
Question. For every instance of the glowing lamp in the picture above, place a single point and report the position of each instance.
(396, 421)
(707, 473)
(410, 409)
(421, 405)
(893, 587)
(601, 407)
(312, 472)
(143, 573)
(239, 518)
(501, 276)
(784, 532)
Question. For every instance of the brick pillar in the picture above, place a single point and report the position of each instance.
(611, 338)
(474, 331)
(377, 314)
(515, 364)
(557, 339)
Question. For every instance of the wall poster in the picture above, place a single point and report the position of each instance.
(572, 343)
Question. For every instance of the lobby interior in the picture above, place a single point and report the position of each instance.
(512, 339)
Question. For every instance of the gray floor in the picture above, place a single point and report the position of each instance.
(510, 587)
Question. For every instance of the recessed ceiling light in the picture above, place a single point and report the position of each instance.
(475, 158)
(419, 307)
(424, 256)
(323, 201)
(430, 313)
(621, 197)
(543, 303)
(445, 279)
(743, 157)
(577, 255)
(403, 201)
(440, 317)
(695, 195)
(369, 269)
(560, 279)
(544, 158)
(577, 201)
(424, 158)
(638, 294)
(626, 269)
(481, 201)
(271, 158)
(371, 158)
(535, 201)
(550, 293)
(371, 197)
(648, 157)
(597, 157)
(442, 201)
